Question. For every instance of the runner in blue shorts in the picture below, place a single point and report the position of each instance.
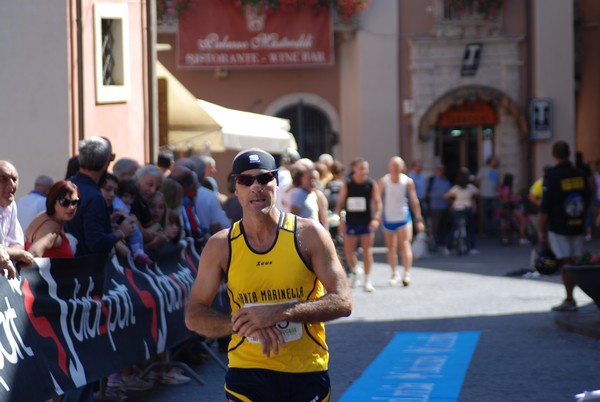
(397, 190)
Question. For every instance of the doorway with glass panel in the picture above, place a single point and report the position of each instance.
(465, 136)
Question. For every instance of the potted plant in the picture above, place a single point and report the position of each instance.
(586, 274)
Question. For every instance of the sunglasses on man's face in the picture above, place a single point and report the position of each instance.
(63, 202)
(262, 179)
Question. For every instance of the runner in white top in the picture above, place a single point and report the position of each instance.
(397, 190)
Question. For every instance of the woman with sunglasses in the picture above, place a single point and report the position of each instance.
(45, 236)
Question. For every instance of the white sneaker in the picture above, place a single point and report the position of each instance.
(406, 280)
(446, 252)
(473, 251)
(394, 280)
(356, 279)
(524, 242)
(174, 377)
(369, 288)
(135, 383)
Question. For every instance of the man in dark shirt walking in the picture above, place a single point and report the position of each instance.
(565, 201)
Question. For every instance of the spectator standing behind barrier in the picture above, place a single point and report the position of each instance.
(416, 174)
(565, 201)
(397, 191)
(278, 349)
(125, 168)
(12, 241)
(126, 193)
(191, 223)
(108, 185)
(512, 204)
(326, 175)
(45, 236)
(597, 185)
(165, 162)
(72, 166)
(537, 188)
(30, 205)
(360, 199)
(463, 195)
(333, 187)
(438, 206)
(288, 159)
(488, 181)
(587, 171)
(306, 200)
(173, 193)
(91, 225)
(232, 206)
(209, 209)
(148, 179)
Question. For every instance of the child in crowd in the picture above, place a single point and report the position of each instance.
(159, 223)
(126, 193)
(127, 380)
(174, 229)
(157, 206)
(108, 187)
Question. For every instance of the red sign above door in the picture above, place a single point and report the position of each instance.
(216, 33)
(469, 113)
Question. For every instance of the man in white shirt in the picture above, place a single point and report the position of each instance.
(11, 234)
(30, 205)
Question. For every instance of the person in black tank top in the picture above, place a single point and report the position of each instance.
(361, 201)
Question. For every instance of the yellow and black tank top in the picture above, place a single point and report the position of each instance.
(278, 275)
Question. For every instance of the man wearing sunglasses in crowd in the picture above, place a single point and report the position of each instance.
(12, 240)
(284, 281)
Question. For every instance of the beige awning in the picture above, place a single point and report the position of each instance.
(203, 125)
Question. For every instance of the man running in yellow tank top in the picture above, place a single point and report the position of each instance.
(284, 281)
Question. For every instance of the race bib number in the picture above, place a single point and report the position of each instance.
(356, 204)
(291, 331)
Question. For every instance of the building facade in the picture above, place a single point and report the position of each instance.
(430, 81)
(73, 69)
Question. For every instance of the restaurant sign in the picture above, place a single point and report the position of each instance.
(221, 34)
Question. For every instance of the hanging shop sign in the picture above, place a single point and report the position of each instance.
(219, 34)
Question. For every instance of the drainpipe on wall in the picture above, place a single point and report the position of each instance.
(152, 96)
(529, 154)
(80, 80)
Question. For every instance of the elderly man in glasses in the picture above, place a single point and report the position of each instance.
(284, 281)
(11, 234)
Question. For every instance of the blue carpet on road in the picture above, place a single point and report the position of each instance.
(417, 366)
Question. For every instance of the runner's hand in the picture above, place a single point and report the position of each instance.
(270, 339)
(249, 319)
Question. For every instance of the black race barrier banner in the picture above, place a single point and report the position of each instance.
(68, 322)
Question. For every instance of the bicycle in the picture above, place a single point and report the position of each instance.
(509, 227)
(461, 240)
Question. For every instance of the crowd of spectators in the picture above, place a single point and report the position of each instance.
(137, 210)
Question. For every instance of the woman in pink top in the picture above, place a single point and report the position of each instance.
(45, 235)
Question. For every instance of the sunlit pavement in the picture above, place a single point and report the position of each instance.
(522, 355)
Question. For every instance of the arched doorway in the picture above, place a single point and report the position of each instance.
(311, 128)
(464, 135)
(489, 122)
